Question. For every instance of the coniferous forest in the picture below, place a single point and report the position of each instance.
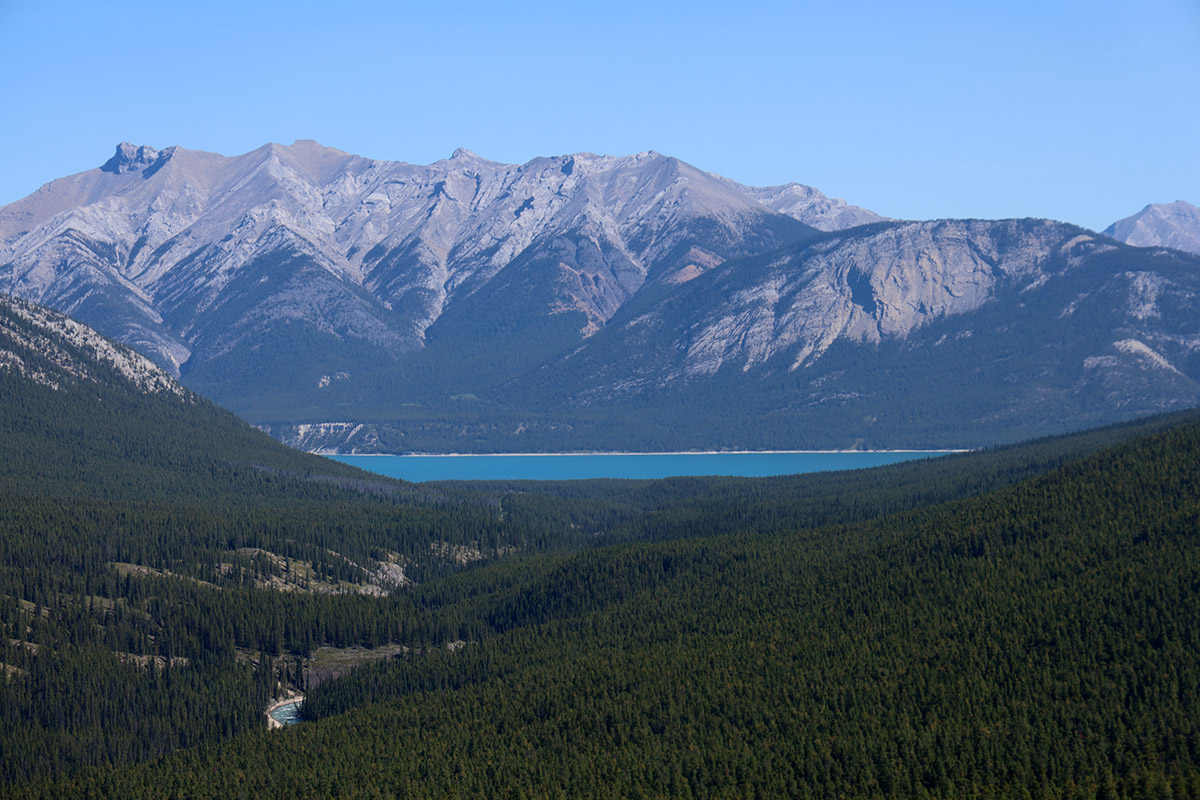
(1017, 622)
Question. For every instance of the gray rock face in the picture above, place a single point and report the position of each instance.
(597, 302)
(132, 158)
(954, 332)
(197, 259)
(866, 289)
(915, 334)
(1175, 225)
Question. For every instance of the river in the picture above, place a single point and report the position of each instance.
(285, 712)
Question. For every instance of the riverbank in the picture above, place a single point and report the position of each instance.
(292, 699)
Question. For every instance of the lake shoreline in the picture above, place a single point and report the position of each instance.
(422, 468)
(329, 453)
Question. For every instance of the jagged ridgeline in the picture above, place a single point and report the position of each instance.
(585, 302)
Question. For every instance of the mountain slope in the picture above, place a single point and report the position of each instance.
(164, 569)
(49, 349)
(126, 421)
(920, 334)
(926, 287)
(290, 267)
(1036, 641)
(1175, 225)
(89, 426)
(591, 302)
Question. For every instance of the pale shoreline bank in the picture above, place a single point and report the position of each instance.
(328, 453)
(274, 724)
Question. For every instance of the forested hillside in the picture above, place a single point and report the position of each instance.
(164, 567)
(1017, 619)
(1037, 641)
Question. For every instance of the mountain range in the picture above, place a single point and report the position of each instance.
(597, 303)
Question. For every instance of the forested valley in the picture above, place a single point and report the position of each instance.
(1018, 622)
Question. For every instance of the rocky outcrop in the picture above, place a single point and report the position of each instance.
(50, 349)
(868, 288)
(132, 158)
(942, 333)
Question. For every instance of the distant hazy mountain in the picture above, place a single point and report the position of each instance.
(595, 302)
(813, 208)
(1174, 225)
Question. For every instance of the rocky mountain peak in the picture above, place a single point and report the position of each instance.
(462, 157)
(132, 158)
(300, 273)
(216, 254)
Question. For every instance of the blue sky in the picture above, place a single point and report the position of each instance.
(1080, 111)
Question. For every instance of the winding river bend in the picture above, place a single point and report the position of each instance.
(284, 712)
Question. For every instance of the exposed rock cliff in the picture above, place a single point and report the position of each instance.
(343, 262)
(597, 302)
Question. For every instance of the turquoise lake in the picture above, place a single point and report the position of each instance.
(558, 467)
